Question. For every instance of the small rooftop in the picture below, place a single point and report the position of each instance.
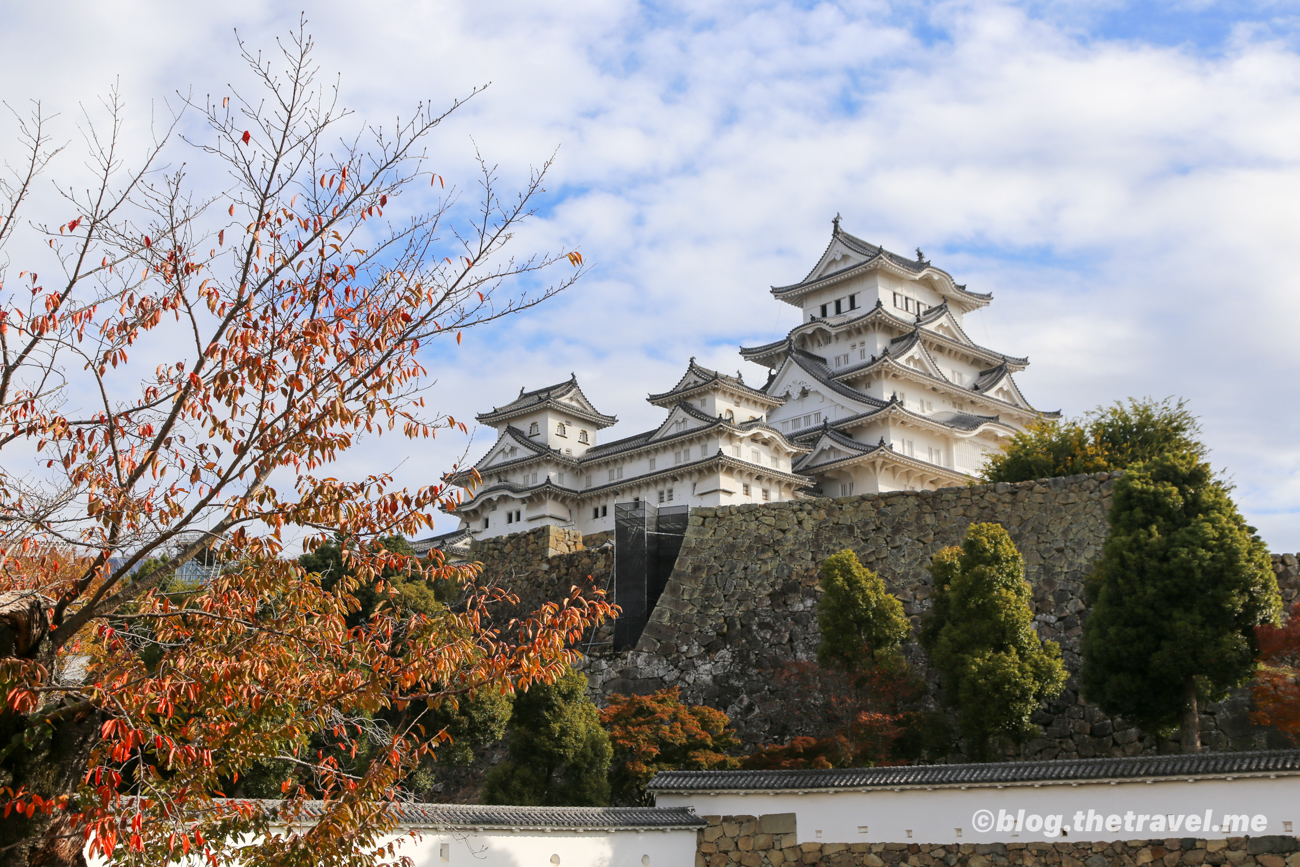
(575, 403)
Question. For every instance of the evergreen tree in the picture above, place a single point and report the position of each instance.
(858, 617)
(1180, 587)
(1106, 439)
(558, 753)
(981, 638)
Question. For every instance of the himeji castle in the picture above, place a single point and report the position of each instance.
(878, 388)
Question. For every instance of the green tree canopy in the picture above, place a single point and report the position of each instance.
(1180, 587)
(857, 616)
(1108, 438)
(980, 636)
(558, 753)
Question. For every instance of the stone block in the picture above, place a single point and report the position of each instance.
(777, 823)
(1272, 843)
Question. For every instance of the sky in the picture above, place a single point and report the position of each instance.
(1122, 177)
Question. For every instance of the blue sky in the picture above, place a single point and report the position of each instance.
(1122, 176)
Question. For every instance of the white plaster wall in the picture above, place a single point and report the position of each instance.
(536, 849)
(949, 815)
(653, 848)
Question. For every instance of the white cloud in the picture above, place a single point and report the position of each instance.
(1129, 203)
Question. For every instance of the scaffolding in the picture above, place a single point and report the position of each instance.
(647, 541)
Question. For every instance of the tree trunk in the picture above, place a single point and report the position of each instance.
(1191, 718)
(49, 759)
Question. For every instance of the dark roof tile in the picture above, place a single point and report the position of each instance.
(990, 774)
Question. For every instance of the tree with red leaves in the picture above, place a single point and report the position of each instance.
(658, 732)
(187, 395)
(1277, 683)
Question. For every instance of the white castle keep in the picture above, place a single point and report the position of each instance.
(878, 388)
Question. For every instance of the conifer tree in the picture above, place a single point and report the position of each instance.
(981, 638)
(858, 617)
(1180, 587)
(558, 753)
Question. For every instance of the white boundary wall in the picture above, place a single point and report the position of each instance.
(499, 848)
(489, 847)
(1139, 809)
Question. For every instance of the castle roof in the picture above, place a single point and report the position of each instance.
(770, 353)
(816, 366)
(442, 542)
(873, 257)
(964, 422)
(565, 396)
(701, 379)
(828, 439)
(552, 489)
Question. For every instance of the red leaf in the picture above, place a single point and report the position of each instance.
(147, 242)
(383, 200)
(247, 136)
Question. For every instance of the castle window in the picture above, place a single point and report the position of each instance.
(604, 510)
(510, 517)
(533, 429)
(486, 522)
(744, 489)
(587, 482)
(735, 451)
(767, 495)
(823, 311)
(729, 415)
(652, 463)
(862, 353)
(755, 456)
(582, 437)
(661, 495)
(670, 495)
(595, 512)
(853, 302)
(616, 474)
(560, 430)
(846, 489)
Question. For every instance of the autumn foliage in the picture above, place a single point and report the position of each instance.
(182, 374)
(658, 732)
(858, 720)
(1277, 683)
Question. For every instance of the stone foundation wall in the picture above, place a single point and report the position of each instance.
(742, 601)
(772, 841)
(543, 565)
